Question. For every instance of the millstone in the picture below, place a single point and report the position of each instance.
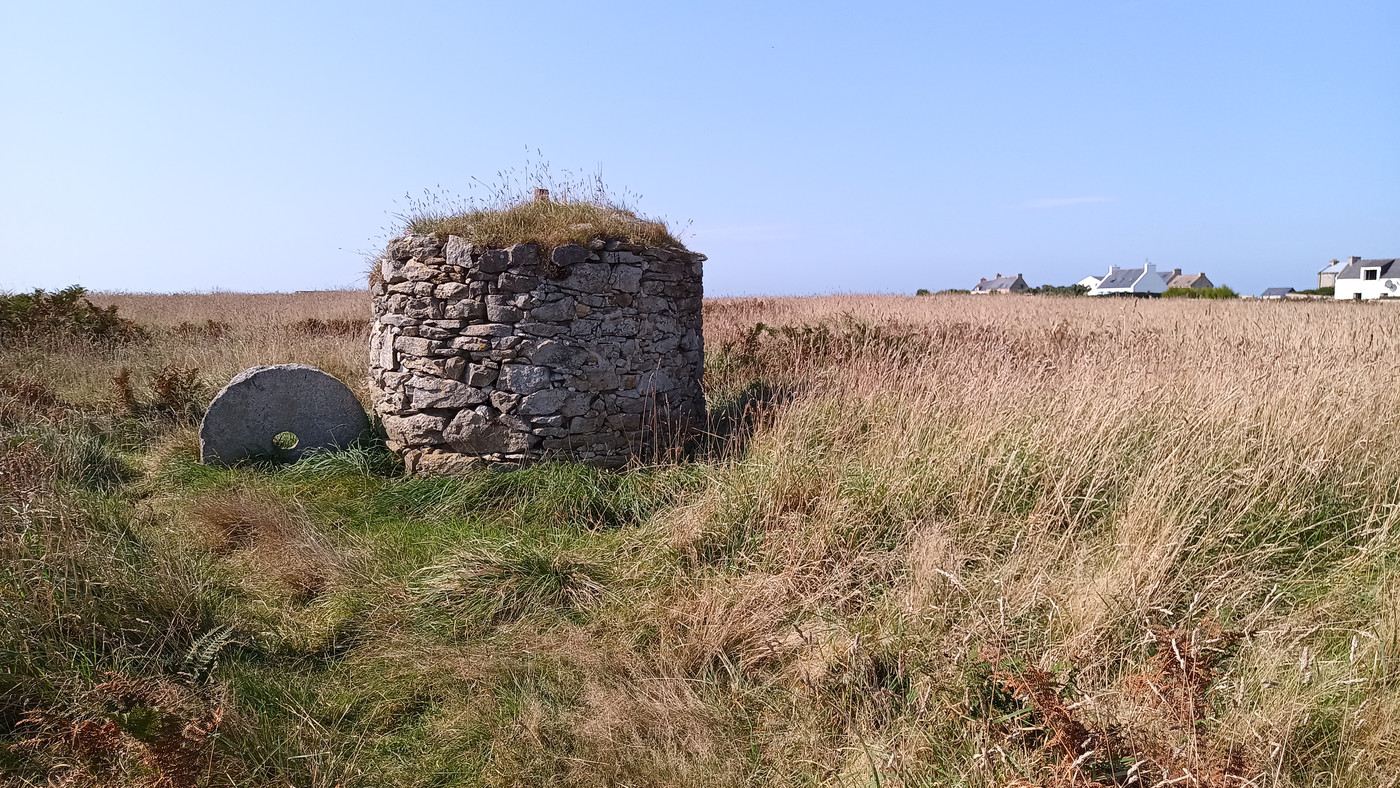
(281, 412)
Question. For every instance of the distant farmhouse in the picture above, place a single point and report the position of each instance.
(1327, 277)
(1131, 281)
(1001, 284)
(1143, 281)
(1188, 281)
(1276, 292)
(1367, 279)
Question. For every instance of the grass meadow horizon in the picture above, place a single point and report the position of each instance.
(942, 540)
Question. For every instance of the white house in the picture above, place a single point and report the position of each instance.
(1132, 281)
(1368, 279)
(1090, 281)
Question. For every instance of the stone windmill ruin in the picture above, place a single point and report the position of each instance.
(590, 350)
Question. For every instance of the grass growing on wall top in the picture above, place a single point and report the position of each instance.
(579, 208)
(547, 223)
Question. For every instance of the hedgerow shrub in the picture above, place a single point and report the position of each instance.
(1060, 290)
(1205, 292)
(64, 313)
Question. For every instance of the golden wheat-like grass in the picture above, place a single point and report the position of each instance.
(218, 334)
(1058, 475)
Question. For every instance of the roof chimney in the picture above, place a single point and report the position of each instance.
(1149, 267)
(998, 275)
(1353, 259)
(1176, 272)
(1113, 269)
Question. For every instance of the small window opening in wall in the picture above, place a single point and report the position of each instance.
(1371, 274)
(285, 440)
(1356, 296)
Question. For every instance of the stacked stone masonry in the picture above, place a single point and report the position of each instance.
(592, 352)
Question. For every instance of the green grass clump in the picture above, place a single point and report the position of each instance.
(511, 582)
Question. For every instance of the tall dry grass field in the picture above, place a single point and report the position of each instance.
(946, 540)
(224, 333)
(1075, 486)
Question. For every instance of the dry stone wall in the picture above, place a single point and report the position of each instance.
(593, 352)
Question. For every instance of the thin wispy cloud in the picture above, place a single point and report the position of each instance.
(1063, 202)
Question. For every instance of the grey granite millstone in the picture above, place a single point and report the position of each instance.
(263, 402)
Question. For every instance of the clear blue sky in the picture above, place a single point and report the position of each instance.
(816, 147)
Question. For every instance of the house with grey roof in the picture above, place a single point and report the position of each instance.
(1145, 281)
(1368, 279)
(1001, 284)
(1276, 292)
(1188, 281)
(1327, 277)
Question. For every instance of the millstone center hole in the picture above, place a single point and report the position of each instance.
(285, 440)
